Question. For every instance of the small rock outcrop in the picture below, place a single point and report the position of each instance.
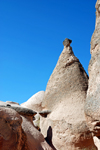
(67, 42)
(36, 121)
(11, 133)
(92, 106)
(35, 139)
(65, 97)
(35, 102)
(17, 131)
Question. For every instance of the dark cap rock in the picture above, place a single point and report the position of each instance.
(67, 42)
(21, 110)
(44, 113)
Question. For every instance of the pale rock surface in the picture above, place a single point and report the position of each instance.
(96, 142)
(35, 102)
(36, 121)
(10, 102)
(92, 106)
(97, 11)
(65, 127)
(35, 139)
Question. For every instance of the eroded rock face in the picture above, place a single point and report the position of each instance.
(97, 142)
(92, 107)
(17, 131)
(35, 102)
(65, 97)
(10, 129)
(97, 11)
(35, 139)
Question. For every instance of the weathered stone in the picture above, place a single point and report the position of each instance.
(92, 106)
(67, 42)
(10, 102)
(35, 139)
(35, 102)
(96, 142)
(65, 96)
(18, 108)
(97, 11)
(10, 130)
(44, 113)
(36, 121)
(21, 110)
(95, 40)
(17, 131)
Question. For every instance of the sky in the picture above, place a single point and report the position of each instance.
(31, 36)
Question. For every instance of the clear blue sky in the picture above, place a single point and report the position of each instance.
(31, 36)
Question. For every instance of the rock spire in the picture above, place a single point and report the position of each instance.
(65, 97)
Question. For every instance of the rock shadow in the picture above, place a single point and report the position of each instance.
(49, 138)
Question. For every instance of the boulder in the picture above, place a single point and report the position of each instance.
(11, 134)
(65, 126)
(16, 125)
(20, 110)
(35, 102)
(92, 105)
(35, 139)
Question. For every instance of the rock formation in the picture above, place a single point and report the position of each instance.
(11, 134)
(17, 131)
(35, 102)
(92, 106)
(36, 121)
(35, 139)
(65, 97)
(96, 142)
(67, 114)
